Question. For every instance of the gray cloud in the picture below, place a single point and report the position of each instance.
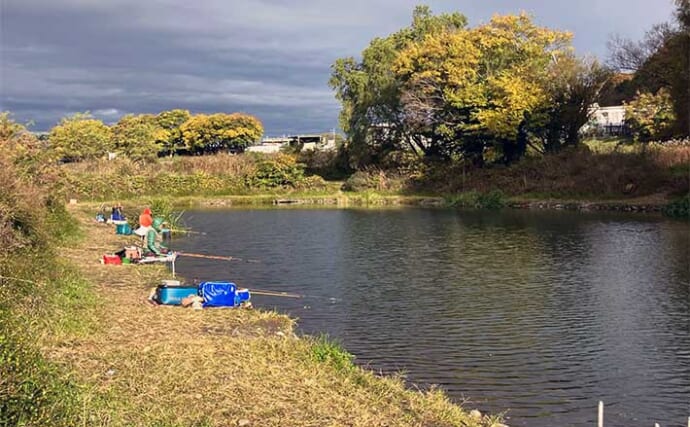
(265, 57)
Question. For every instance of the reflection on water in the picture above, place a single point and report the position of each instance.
(538, 313)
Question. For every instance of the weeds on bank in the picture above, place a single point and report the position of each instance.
(324, 350)
(494, 199)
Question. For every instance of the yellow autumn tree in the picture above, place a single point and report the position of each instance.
(81, 137)
(469, 90)
(211, 133)
(138, 137)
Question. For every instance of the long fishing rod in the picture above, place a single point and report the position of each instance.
(271, 293)
(275, 294)
(217, 257)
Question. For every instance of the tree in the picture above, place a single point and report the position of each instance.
(369, 90)
(574, 85)
(171, 121)
(80, 137)
(661, 60)
(467, 91)
(211, 133)
(138, 137)
(651, 116)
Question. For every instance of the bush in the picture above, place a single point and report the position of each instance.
(32, 390)
(327, 164)
(280, 170)
(679, 208)
(312, 183)
(373, 179)
(494, 199)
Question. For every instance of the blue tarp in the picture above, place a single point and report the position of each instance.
(218, 294)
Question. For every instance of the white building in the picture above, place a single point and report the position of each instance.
(607, 116)
(306, 142)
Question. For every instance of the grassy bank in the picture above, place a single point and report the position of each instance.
(79, 345)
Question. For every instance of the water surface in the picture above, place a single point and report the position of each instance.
(540, 314)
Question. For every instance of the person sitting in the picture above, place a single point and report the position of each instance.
(153, 239)
(145, 221)
(116, 214)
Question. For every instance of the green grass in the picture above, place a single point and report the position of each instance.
(325, 350)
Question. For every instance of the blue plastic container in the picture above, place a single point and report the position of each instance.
(125, 229)
(242, 295)
(173, 295)
(218, 294)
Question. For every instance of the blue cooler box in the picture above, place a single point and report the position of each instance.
(173, 295)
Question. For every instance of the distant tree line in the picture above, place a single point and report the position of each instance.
(147, 136)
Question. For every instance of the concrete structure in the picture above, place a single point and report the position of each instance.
(304, 142)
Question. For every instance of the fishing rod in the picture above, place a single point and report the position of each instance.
(183, 231)
(275, 293)
(270, 293)
(217, 257)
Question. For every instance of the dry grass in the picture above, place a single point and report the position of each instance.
(218, 164)
(575, 174)
(671, 153)
(168, 366)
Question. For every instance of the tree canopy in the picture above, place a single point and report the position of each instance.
(171, 121)
(211, 133)
(661, 60)
(139, 137)
(81, 137)
(443, 90)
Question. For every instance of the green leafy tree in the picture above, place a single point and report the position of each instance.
(573, 86)
(138, 137)
(81, 137)
(171, 121)
(370, 92)
(651, 116)
(211, 133)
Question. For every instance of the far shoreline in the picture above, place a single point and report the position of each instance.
(652, 204)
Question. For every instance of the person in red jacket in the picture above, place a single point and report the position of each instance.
(145, 222)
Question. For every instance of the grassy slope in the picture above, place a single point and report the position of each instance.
(142, 365)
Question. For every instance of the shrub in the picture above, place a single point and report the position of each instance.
(651, 116)
(32, 390)
(679, 208)
(312, 183)
(494, 199)
(373, 179)
(279, 170)
(327, 164)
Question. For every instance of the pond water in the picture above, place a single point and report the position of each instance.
(540, 314)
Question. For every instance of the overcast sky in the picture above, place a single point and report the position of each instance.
(270, 58)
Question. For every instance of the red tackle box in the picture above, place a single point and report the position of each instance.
(112, 259)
